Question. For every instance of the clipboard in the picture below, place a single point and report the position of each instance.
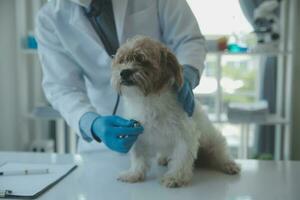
(33, 185)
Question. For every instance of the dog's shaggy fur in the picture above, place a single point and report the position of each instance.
(144, 71)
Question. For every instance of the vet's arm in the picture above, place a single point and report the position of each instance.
(63, 82)
(182, 35)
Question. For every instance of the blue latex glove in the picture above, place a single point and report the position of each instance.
(117, 133)
(186, 97)
(185, 94)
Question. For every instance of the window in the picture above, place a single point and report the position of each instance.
(227, 78)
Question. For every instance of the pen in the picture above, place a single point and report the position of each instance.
(24, 172)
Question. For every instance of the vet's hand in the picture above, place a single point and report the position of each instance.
(185, 96)
(117, 133)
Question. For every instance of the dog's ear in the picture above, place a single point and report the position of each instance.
(175, 67)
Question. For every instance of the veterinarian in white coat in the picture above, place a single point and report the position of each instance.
(76, 65)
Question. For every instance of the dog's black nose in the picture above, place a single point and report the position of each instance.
(126, 73)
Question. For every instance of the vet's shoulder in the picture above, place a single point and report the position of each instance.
(56, 10)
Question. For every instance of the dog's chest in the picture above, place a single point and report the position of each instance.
(158, 136)
(161, 118)
(162, 129)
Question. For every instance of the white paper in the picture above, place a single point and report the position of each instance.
(29, 185)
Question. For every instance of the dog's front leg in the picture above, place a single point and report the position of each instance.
(139, 165)
(180, 168)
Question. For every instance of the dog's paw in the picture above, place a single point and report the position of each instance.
(131, 177)
(230, 167)
(163, 161)
(174, 182)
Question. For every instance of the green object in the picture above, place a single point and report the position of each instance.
(264, 156)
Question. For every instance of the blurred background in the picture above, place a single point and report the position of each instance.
(248, 88)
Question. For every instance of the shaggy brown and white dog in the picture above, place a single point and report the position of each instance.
(144, 72)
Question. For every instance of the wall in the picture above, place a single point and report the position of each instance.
(8, 76)
(296, 91)
(20, 77)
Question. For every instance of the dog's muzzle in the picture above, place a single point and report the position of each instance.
(126, 77)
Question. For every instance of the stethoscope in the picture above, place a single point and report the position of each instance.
(109, 49)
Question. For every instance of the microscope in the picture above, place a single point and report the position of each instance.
(267, 24)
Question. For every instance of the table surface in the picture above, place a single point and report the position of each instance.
(95, 178)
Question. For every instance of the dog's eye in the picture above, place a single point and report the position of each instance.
(121, 60)
(139, 58)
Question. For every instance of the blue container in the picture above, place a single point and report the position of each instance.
(234, 48)
(31, 42)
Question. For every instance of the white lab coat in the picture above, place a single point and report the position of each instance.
(76, 67)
